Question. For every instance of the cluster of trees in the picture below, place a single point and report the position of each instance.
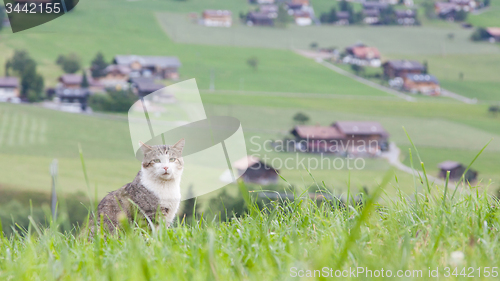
(343, 6)
(23, 66)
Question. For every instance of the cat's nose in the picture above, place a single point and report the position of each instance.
(166, 168)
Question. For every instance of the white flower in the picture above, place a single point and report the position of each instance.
(457, 257)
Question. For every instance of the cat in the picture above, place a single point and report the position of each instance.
(154, 193)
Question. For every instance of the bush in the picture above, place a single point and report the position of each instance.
(69, 63)
(480, 34)
(112, 101)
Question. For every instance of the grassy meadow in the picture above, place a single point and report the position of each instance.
(415, 240)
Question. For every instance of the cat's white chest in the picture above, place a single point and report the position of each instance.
(168, 194)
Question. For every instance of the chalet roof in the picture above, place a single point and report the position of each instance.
(371, 13)
(405, 65)
(364, 52)
(123, 69)
(422, 78)
(71, 78)
(259, 16)
(449, 165)
(217, 13)
(343, 15)
(360, 128)
(246, 162)
(318, 132)
(405, 13)
(302, 14)
(146, 85)
(148, 61)
(445, 5)
(375, 5)
(493, 31)
(9, 82)
(268, 8)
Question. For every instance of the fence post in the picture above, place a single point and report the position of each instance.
(53, 173)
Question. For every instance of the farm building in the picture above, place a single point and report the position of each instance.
(218, 18)
(317, 138)
(371, 16)
(149, 66)
(259, 19)
(456, 171)
(270, 10)
(422, 83)
(115, 75)
(251, 169)
(352, 137)
(361, 54)
(302, 18)
(399, 68)
(143, 86)
(372, 5)
(9, 89)
(342, 18)
(406, 17)
(369, 135)
(466, 5)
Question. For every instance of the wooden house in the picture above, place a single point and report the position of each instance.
(422, 83)
(456, 171)
(361, 54)
(259, 19)
(317, 139)
(406, 17)
(399, 68)
(343, 18)
(217, 18)
(9, 89)
(150, 66)
(252, 170)
(367, 136)
(115, 75)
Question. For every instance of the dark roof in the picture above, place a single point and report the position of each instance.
(449, 165)
(124, 69)
(148, 61)
(422, 78)
(343, 15)
(375, 5)
(405, 13)
(317, 132)
(71, 78)
(371, 13)
(9, 82)
(405, 64)
(361, 128)
(259, 16)
(146, 85)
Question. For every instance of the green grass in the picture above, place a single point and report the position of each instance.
(437, 231)
(489, 18)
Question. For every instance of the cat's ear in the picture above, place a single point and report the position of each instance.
(179, 146)
(145, 148)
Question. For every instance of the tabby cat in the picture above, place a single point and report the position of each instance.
(154, 193)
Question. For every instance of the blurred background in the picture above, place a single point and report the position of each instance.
(289, 70)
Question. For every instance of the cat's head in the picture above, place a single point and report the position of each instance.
(163, 162)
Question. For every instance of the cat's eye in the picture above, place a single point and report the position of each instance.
(172, 159)
(157, 161)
